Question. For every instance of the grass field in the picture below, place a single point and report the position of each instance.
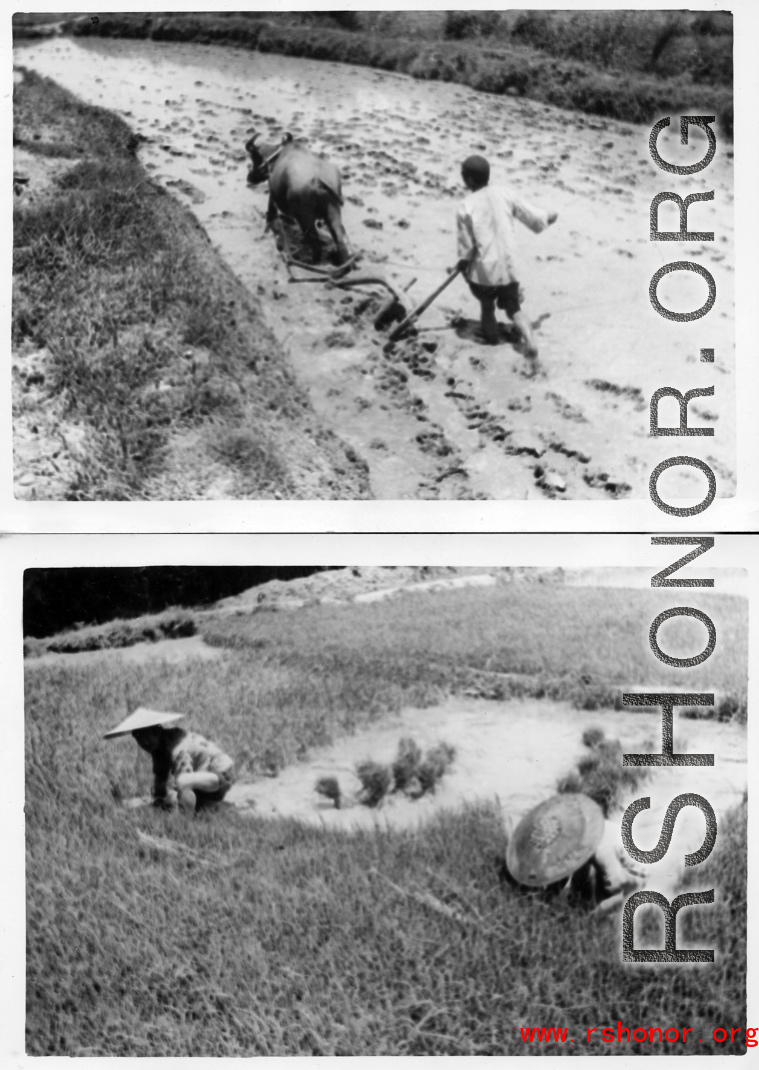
(579, 644)
(153, 347)
(622, 64)
(232, 936)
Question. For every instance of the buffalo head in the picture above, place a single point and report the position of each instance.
(259, 171)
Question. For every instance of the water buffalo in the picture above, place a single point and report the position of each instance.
(302, 186)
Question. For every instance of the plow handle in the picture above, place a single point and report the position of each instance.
(398, 331)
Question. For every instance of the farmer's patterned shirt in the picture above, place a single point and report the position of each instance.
(188, 752)
(485, 227)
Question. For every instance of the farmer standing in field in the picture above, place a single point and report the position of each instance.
(202, 772)
(487, 247)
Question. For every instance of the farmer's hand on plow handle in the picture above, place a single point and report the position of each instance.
(414, 316)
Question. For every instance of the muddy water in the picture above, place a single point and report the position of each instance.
(446, 416)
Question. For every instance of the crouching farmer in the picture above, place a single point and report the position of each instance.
(202, 773)
(566, 845)
(487, 248)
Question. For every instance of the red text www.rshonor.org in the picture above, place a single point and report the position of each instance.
(621, 1035)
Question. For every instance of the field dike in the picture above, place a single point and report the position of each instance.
(142, 368)
(282, 925)
(622, 68)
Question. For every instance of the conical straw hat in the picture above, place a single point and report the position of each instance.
(142, 718)
(554, 839)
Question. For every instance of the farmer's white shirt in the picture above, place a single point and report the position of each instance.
(485, 227)
(194, 753)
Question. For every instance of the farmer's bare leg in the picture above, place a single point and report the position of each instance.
(189, 784)
(521, 321)
(488, 322)
(188, 801)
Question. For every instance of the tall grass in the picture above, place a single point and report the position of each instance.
(628, 65)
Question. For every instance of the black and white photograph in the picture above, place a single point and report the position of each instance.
(386, 810)
(378, 553)
(410, 255)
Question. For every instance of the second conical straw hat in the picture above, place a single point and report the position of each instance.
(142, 718)
(554, 839)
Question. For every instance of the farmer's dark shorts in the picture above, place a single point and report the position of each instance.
(206, 798)
(506, 297)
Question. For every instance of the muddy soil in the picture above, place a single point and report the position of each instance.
(444, 415)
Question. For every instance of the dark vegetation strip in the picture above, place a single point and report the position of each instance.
(271, 938)
(571, 64)
(57, 599)
(172, 624)
(150, 336)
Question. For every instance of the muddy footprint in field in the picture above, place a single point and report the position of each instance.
(552, 483)
(530, 368)
(616, 488)
(489, 424)
(572, 452)
(419, 360)
(434, 442)
(566, 410)
(458, 395)
(614, 390)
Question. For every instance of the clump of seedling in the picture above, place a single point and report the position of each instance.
(375, 782)
(415, 775)
(330, 788)
(411, 773)
(406, 765)
(600, 773)
(435, 764)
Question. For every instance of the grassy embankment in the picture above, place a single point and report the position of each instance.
(154, 348)
(263, 938)
(150, 628)
(630, 65)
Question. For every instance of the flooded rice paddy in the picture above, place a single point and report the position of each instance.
(446, 416)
